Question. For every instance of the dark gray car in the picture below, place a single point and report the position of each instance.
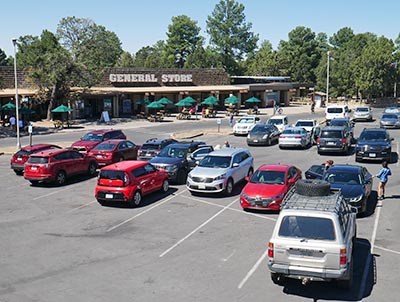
(390, 120)
(263, 134)
(334, 139)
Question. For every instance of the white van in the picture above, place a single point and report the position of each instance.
(337, 111)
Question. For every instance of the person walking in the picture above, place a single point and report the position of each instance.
(383, 176)
(226, 145)
(12, 122)
(231, 120)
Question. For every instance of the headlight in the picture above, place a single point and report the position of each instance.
(357, 198)
(244, 195)
(265, 136)
(223, 176)
(189, 176)
(279, 196)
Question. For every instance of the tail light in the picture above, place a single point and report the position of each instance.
(270, 250)
(343, 257)
(343, 141)
(298, 136)
(281, 136)
(126, 179)
(318, 140)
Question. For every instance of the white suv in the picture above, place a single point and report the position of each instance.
(314, 236)
(337, 111)
(280, 121)
(220, 170)
(245, 124)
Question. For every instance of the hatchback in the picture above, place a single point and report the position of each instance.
(128, 181)
(93, 138)
(57, 165)
(21, 156)
(152, 147)
(114, 150)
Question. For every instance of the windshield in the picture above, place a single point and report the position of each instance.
(338, 123)
(389, 116)
(331, 134)
(261, 129)
(104, 146)
(246, 121)
(335, 110)
(305, 124)
(275, 121)
(372, 136)
(268, 177)
(307, 227)
(177, 152)
(150, 146)
(362, 109)
(95, 137)
(343, 178)
(211, 161)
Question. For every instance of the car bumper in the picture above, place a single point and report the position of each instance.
(292, 143)
(112, 196)
(213, 187)
(17, 167)
(257, 141)
(362, 118)
(297, 272)
(41, 178)
(264, 204)
(371, 155)
(339, 149)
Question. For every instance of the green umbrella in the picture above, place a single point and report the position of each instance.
(165, 101)
(8, 106)
(232, 100)
(184, 103)
(61, 109)
(211, 100)
(253, 100)
(190, 99)
(155, 105)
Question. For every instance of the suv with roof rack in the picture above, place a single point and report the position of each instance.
(314, 236)
(153, 146)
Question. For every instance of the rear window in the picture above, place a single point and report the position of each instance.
(305, 124)
(338, 123)
(331, 134)
(315, 228)
(105, 146)
(22, 153)
(362, 109)
(150, 146)
(112, 174)
(335, 110)
(38, 160)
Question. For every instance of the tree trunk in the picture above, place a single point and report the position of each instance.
(51, 103)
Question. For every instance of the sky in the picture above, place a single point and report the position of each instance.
(143, 23)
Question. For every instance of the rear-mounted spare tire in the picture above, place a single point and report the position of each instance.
(313, 187)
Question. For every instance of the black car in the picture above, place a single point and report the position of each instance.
(374, 144)
(263, 134)
(354, 182)
(344, 122)
(153, 146)
(175, 158)
(334, 139)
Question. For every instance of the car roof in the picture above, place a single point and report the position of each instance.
(185, 144)
(228, 151)
(295, 128)
(340, 119)
(333, 128)
(274, 167)
(38, 146)
(275, 117)
(306, 120)
(125, 165)
(50, 152)
(336, 106)
(156, 140)
(374, 129)
(344, 168)
(102, 131)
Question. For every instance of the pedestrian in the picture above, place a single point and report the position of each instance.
(226, 145)
(12, 121)
(20, 125)
(231, 121)
(328, 164)
(312, 105)
(383, 176)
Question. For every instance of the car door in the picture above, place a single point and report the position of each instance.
(274, 133)
(131, 150)
(293, 176)
(367, 181)
(78, 161)
(315, 172)
(142, 179)
(154, 177)
(198, 155)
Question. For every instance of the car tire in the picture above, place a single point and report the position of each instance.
(277, 279)
(19, 172)
(181, 177)
(313, 187)
(136, 199)
(34, 182)
(165, 186)
(229, 187)
(269, 142)
(61, 178)
(92, 169)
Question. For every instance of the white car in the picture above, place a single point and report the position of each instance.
(362, 113)
(280, 121)
(294, 137)
(337, 111)
(245, 124)
(309, 125)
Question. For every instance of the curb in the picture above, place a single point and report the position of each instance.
(177, 135)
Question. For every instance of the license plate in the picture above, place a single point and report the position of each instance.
(99, 156)
(331, 143)
(148, 154)
(109, 196)
(255, 140)
(34, 168)
(372, 155)
(19, 158)
(202, 187)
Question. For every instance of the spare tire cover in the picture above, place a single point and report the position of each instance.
(313, 187)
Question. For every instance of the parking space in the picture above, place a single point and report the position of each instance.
(59, 244)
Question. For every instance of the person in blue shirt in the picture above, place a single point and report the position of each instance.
(383, 176)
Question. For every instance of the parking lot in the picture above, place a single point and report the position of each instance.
(59, 244)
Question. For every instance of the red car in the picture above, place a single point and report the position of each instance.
(114, 150)
(268, 186)
(93, 138)
(21, 157)
(57, 165)
(128, 181)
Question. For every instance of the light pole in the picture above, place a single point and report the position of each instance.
(327, 76)
(15, 41)
(395, 80)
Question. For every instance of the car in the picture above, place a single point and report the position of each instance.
(311, 126)
(93, 138)
(174, 159)
(245, 124)
(294, 137)
(19, 158)
(280, 122)
(198, 155)
(344, 122)
(314, 236)
(114, 150)
(56, 165)
(389, 120)
(362, 114)
(267, 187)
(263, 134)
(128, 181)
(355, 182)
(153, 146)
(334, 139)
(220, 171)
(336, 111)
(392, 109)
(374, 144)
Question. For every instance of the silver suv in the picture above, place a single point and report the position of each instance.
(314, 236)
(220, 170)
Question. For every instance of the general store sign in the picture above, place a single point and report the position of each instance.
(149, 78)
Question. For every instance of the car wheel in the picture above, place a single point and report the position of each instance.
(269, 142)
(181, 177)
(277, 279)
(165, 186)
(61, 178)
(229, 187)
(19, 172)
(92, 169)
(137, 199)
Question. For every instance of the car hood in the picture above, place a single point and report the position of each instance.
(165, 160)
(208, 172)
(371, 143)
(389, 120)
(349, 191)
(263, 190)
(90, 144)
(258, 134)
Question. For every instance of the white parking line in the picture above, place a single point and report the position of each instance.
(49, 194)
(198, 228)
(253, 269)
(378, 214)
(397, 150)
(387, 250)
(231, 209)
(145, 211)
(82, 206)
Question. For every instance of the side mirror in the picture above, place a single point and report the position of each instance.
(235, 165)
(197, 162)
(247, 178)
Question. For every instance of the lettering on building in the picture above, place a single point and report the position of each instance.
(149, 78)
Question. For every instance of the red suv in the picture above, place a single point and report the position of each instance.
(114, 150)
(128, 181)
(93, 138)
(21, 157)
(56, 165)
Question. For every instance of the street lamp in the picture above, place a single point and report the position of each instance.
(327, 76)
(15, 41)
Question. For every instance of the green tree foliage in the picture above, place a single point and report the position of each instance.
(343, 36)
(151, 56)
(125, 60)
(49, 66)
(4, 61)
(300, 55)
(230, 34)
(204, 58)
(183, 38)
(263, 62)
